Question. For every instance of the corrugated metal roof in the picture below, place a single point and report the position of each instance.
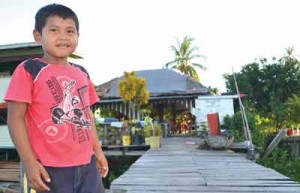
(159, 82)
(19, 45)
(27, 45)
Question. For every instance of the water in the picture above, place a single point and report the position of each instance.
(117, 166)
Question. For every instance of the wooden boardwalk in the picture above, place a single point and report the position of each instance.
(180, 167)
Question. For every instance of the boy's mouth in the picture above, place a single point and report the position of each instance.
(63, 45)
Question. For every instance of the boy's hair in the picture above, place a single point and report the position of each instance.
(54, 10)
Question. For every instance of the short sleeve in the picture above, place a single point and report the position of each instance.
(20, 86)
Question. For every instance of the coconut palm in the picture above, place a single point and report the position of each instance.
(289, 56)
(184, 54)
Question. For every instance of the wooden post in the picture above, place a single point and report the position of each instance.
(282, 133)
(22, 173)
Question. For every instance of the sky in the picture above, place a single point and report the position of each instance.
(131, 35)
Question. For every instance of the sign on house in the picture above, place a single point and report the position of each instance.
(223, 105)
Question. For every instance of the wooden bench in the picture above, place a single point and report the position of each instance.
(9, 171)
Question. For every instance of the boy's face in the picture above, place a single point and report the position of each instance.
(59, 38)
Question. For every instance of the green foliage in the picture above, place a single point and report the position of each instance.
(293, 109)
(281, 161)
(133, 89)
(105, 112)
(157, 129)
(151, 129)
(260, 128)
(136, 130)
(265, 128)
(276, 158)
(267, 85)
(213, 91)
(235, 125)
(203, 128)
(147, 131)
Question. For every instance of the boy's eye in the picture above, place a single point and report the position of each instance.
(54, 30)
(71, 31)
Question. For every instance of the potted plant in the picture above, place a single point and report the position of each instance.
(103, 137)
(147, 134)
(125, 133)
(137, 137)
(152, 131)
(155, 136)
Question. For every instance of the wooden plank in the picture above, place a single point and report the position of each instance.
(9, 164)
(9, 171)
(178, 167)
(203, 189)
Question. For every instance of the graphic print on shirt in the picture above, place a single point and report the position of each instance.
(69, 113)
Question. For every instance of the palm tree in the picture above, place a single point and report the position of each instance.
(184, 54)
(213, 91)
(289, 56)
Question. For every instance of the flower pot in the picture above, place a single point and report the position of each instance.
(126, 140)
(137, 139)
(155, 142)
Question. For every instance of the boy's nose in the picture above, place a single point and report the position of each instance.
(63, 36)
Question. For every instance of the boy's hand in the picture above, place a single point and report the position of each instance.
(36, 175)
(102, 164)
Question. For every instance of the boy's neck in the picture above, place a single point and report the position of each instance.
(55, 61)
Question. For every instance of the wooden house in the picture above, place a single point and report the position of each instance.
(168, 90)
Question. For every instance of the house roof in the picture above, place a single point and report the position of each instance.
(160, 82)
(22, 51)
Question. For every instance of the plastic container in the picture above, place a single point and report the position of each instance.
(126, 140)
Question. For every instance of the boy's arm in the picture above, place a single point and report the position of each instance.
(101, 160)
(35, 172)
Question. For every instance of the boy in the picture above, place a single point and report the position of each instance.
(49, 116)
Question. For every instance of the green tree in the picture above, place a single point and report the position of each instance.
(184, 53)
(133, 90)
(293, 105)
(248, 80)
(289, 57)
(267, 85)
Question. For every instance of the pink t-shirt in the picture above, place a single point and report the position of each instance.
(58, 116)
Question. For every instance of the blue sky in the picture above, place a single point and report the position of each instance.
(118, 35)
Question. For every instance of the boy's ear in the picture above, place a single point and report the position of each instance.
(37, 36)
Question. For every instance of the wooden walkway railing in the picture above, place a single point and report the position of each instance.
(181, 167)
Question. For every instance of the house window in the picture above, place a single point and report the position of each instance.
(3, 116)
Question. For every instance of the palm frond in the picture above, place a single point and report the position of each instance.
(199, 66)
(193, 73)
(175, 50)
(192, 50)
(172, 63)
